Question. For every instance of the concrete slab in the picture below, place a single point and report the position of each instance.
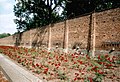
(15, 72)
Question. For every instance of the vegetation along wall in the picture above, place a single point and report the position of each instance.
(100, 30)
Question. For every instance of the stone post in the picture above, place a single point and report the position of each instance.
(30, 39)
(66, 36)
(94, 34)
(49, 37)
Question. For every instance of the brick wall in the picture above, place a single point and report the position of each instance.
(8, 41)
(78, 31)
(103, 27)
(108, 29)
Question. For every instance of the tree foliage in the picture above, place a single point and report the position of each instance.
(3, 35)
(80, 7)
(37, 13)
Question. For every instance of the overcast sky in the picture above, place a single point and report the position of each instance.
(7, 24)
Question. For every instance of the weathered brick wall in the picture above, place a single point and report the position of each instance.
(8, 41)
(108, 29)
(25, 39)
(106, 25)
(78, 31)
(39, 37)
(57, 34)
(34, 37)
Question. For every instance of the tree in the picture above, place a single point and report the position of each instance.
(3, 35)
(37, 13)
(80, 7)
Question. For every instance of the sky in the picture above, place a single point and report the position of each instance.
(7, 24)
